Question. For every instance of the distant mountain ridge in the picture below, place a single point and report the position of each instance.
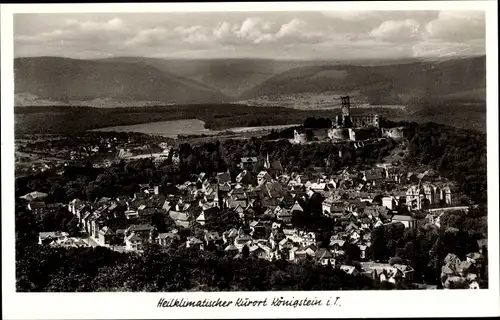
(383, 84)
(138, 81)
(231, 76)
(64, 79)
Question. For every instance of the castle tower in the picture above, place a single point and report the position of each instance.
(346, 112)
(346, 106)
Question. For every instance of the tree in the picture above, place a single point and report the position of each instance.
(353, 252)
(245, 252)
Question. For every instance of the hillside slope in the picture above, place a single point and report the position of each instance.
(67, 80)
(388, 84)
(231, 76)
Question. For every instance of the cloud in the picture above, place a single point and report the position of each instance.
(457, 26)
(400, 31)
(290, 28)
(250, 28)
(148, 37)
(443, 49)
(73, 30)
(335, 34)
(353, 15)
(223, 30)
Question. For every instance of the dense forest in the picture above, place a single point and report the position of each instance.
(172, 269)
(65, 119)
(457, 154)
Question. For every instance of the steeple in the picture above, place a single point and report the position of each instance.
(267, 163)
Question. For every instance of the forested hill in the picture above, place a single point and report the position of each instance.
(455, 153)
(69, 80)
(463, 78)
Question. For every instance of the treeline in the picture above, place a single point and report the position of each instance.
(173, 269)
(67, 119)
(457, 154)
(424, 248)
(317, 123)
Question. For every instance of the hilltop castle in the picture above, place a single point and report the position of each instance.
(349, 127)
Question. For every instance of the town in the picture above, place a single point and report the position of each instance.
(361, 219)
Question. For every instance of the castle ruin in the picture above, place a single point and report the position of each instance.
(354, 128)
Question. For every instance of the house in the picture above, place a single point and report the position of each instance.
(301, 253)
(483, 245)
(133, 242)
(241, 240)
(334, 209)
(362, 250)
(193, 242)
(296, 207)
(261, 251)
(274, 167)
(106, 236)
(408, 273)
(231, 249)
(96, 222)
(389, 202)
(230, 235)
(408, 221)
(166, 238)
(263, 177)
(131, 214)
(456, 282)
(248, 163)
(285, 244)
(166, 207)
(337, 245)
(225, 187)
(212, 237)
(258, 230)
(48, 237)
(451, 259)
(34, 196)
(327, 206)
(351, 270)
(207, 214)
(69, 242)
(223, 177)
(355, 235)
(374, 176)
(464, 268)
(86, 220)
(202, 177)
(181, 219)
(145, 231)
(318, 187)
(474, 257)
(323, 256)
(37, 207)
(245, 177)
(283, 215)
(308, 238)
(75, 206)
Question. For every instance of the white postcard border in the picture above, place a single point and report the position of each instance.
(438, 303)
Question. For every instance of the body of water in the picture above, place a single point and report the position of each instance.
(173, 128)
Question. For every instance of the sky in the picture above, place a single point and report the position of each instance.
(269, 35)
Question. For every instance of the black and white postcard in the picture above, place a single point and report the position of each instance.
(231, 160)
